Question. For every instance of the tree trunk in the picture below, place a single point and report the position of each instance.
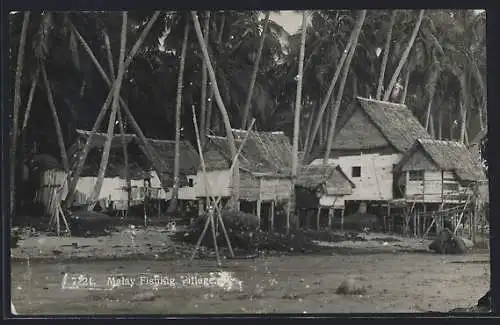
(34, 84)
(385, 58)
(94, 197)
(211, 93)
(463, 124)
(222, 108)
(104, 108)
(60, 138)
(121, 124)
(204, 77)
(326, 100)
(246, 108)
(440, 124)
(15, 111)
(407, 81)
(178, 106)
(308, 130)
(333, 121)
(296, 123)
(432, 131)
(404, 57)
(428, 113)
(483, 109)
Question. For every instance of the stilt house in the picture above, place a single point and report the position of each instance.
(114, 187)
(264, 169)
(436, 171)
(371, 138)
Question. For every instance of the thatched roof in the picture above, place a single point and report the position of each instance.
(395, 121)
(450, 156)
(332, 177)
(263, 152)
(139, 164)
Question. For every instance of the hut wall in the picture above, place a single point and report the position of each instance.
(376, 180)
(249, 186)
(219, 183)
(112, 189)
(275, 189)
(332, 201)
(436, 187)
(185, 192)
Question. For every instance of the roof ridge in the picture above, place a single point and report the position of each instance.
(441, 141)
(382, 102)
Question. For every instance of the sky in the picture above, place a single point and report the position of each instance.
(288, 19)
(291, 20)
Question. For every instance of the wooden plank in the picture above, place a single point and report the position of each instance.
(317, 218)
(259, 207)
(272, 216)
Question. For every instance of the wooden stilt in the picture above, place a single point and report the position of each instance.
(271, 226)
(330, 217)
(200, 207)
(342, 219)
(317, 218)
(414, 224)
(259, 208)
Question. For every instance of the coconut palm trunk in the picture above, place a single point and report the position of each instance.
(404, 57)
(15, 111)
(97, 124)
(220, 33)
(402, 100)
(204, 80)
(112, 119)
(246, 108)
(178, 106)
(57, 124)
(27, 113)
(296, 122)
(327, 99)
(333, 121)
(385, 58)
(120, 123)
(222, 109)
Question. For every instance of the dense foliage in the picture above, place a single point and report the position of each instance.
(445, 70)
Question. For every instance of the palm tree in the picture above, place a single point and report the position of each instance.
(203, 100)
(333, 121)
(15, 114)
(178, 106)
(386, 56)
(327, 98)
(111, 126)
(296, 125)
(86, 149)
(222, 108)
(404, 57)
(246, 108)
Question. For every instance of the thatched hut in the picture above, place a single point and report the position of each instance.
(436, 171)
(321, 188)
(264, 169)
(140, 167)
(372, 136)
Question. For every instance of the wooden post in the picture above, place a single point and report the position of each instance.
(342, 220)
(259, 206)
(271, 225)
(317, 218)
(424, 218)
(331, 214)
(388, 216)
(200, 207)
(414, 217)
